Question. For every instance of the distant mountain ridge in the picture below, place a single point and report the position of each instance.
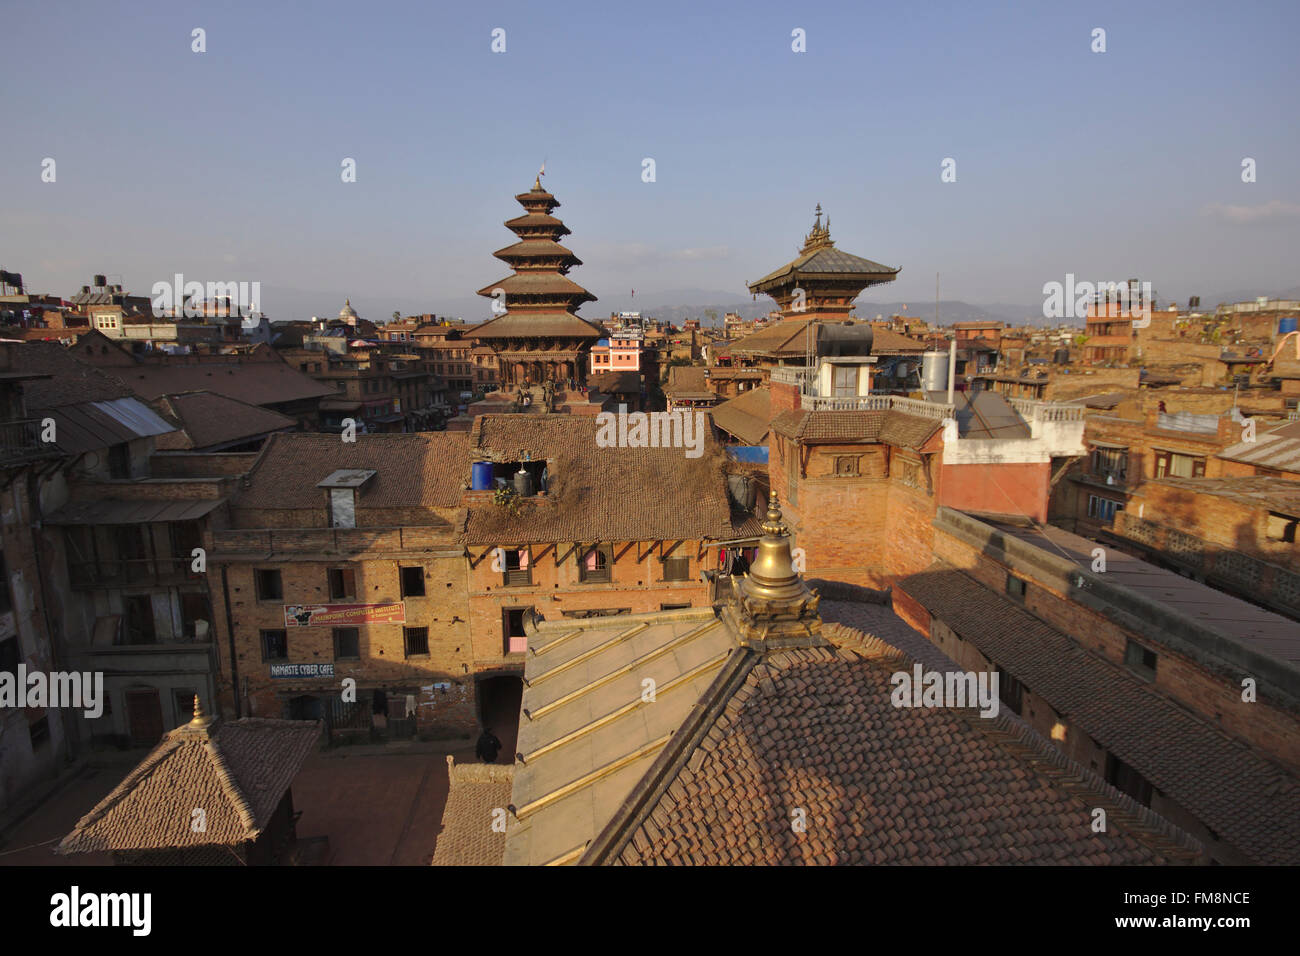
(676, 306)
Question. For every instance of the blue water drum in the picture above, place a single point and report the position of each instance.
(481, 476)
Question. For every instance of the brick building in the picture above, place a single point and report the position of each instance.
(377, 560)
(1121, 452)
(382, 391)
(34, 742)
(1237, 534)
(1132, 671)
(688, 387)
(343, 560)
(606, 531)
(116, 550)
(1275, 453)
(863, 474)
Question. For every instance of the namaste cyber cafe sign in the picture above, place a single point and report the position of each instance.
(343, 615)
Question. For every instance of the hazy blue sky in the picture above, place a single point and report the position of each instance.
(225, 165)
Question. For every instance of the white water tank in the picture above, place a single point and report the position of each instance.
(934, 372)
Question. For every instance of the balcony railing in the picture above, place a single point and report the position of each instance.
(792, 375)
(1031, 410)
(132, 572)
(21, 439)
(878, 403)
(518, 578)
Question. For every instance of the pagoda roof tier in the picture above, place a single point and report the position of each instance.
(531, 325)
(537, 224)
(829, 263)
(820, 260)
(550, 285)
(537, 199)
(537, 249)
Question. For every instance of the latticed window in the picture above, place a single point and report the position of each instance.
(908, 472)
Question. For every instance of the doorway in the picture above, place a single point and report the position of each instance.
(499, 699)
(144, 717)
(305, 707)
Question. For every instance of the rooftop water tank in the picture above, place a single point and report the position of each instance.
(523, 483)
(481, 476)
(841, 340)
(934, 372)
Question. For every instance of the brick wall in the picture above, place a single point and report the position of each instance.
(1011, 488)
(862, 529)
(192, 465)
(1215, 694)
(1217, 519)
(444, 610)
(1090, 381)
(784, 398)
(634, 584)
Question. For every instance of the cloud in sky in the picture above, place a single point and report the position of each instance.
(1242, 214)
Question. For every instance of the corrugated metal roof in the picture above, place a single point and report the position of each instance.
(135, 415)
(132, 512)
(1278, 454)
(93, 425)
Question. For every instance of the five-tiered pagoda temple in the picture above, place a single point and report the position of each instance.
(538, 339)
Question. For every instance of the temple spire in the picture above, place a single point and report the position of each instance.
(771, 607)
(820, 237)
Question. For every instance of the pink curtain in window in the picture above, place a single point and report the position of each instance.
(591, 561)
(523, 560)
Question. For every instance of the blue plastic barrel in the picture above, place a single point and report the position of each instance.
(481, 476)
(1287, 323)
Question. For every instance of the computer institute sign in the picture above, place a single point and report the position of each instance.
(343, 615)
